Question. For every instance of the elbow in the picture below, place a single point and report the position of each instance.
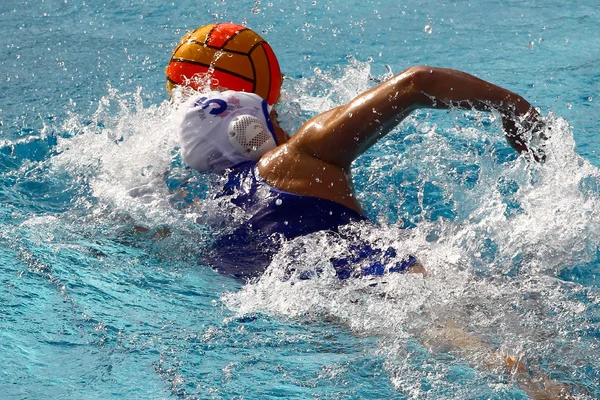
(418, 81)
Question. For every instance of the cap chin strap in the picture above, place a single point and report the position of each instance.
(250, 137)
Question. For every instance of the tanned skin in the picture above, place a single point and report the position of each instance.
(316, 160)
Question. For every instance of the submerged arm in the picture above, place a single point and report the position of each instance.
(537, 384)
(340, 135)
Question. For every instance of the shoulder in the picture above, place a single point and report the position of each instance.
(293, 170)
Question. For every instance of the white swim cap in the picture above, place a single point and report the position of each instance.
(221, 130)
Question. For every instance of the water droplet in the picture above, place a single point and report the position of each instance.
(278, 202)
(428, 29)
(255, 9)
(317, 180)
(569, 106)
(530, 45)
(590, 98)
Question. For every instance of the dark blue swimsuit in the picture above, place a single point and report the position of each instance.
(272, 214)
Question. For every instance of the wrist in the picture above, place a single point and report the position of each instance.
(522, 106)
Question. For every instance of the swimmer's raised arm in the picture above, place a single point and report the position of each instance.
(340, 135)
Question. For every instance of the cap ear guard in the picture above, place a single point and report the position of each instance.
(249, 136)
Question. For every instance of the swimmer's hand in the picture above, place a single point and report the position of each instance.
(537, 385)
(526, 133)
(418, 268)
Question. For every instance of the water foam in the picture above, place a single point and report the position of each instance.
(123, 152)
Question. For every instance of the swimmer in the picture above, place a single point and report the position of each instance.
(287, 186)
(292, 185)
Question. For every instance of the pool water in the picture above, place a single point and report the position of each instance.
(102, 292)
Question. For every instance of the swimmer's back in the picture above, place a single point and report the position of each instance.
(271, 211)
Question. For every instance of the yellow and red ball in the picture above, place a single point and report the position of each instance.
(231, 56)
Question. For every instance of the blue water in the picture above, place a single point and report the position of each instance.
(102, 294)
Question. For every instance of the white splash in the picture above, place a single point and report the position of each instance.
(124, 153)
